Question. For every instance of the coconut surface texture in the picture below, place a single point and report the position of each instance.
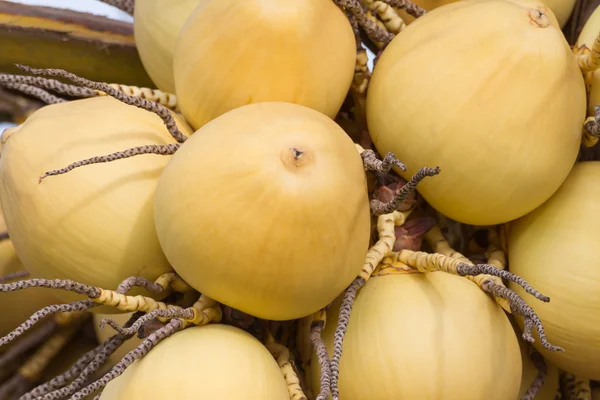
(490, 91)
(212, 362)
(554, 248)
(93, 224)
(265, 209)
(425, 336)
(156, 26)
(221, 61)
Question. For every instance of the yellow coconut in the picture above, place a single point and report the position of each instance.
(156, 25)
(231, 53)
(213, 362)
(424, 336)
(554, 248)
(107, 332)
(584, 43)
(490, 91)
(562, 9)
(93, 224)
(271, 215)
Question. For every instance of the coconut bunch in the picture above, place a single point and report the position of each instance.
(278, 220)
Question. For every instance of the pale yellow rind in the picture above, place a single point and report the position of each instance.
(156, 26)
(495, 100)
(231, 53)
(554, 248)
(93, 224)
(243, 225)
(425, 336)
(210, 362)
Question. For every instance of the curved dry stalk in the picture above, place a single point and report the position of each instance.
(323, 358)
(540, 379)
(33, 91)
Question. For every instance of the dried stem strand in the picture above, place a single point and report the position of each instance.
(540, 378)
(13, 276)
(158, 149)
(372, 163)
(379, 207)
(49, 84)
(139, 102)
(373, 31)
(408, 6)
(28, 343)
(340, 332)
(33, 91)
(323, 358)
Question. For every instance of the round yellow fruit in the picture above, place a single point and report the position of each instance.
(490, 92)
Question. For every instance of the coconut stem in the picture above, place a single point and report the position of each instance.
(387, 14)
(575, 387)
(184, 313)
(590, 61)
(125, 5)
(372, 163)
(520, 307)
(379, 208)
(139, 352)
(340, 332)
(373, 31)
(538, 382)
(33, 91)
(159, 149)
(408, 6)
(49, 84)
(139, 102)
(323, 358)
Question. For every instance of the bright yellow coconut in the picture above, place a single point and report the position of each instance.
(93, 224)
(554, 248)
(231, 53)
(265, 209)
(424, 336)
(490, 91)
(213, 362)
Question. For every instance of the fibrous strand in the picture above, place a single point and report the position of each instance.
(33, 91)
(49, 84)
(340, 332)
(137, 325)
(323, 358)
(159, 149)
(520, 307)
(139, 281)
(408, 6)
(28, 343)
(486, 269)
(139, 102)
(43, 313)
(135, 354)
(380, 208)
(372, 163)
(540, 378)
(63, 284)
(373, 31)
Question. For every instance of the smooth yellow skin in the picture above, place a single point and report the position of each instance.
(554, 248)
(93, 224)
(429, 336)
(493, 99)
(551, 384)
(251, 229)
(17, 306)
(586, 38)
(562, 9)
(107, 332)
(231, 53)
(213, 362)
(156, 25)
